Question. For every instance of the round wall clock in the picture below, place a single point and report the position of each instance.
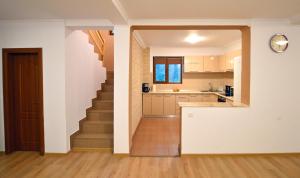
(279, 43)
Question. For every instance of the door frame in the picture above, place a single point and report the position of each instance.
(6, 97)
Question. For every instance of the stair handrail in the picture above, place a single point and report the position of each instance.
(98, 40)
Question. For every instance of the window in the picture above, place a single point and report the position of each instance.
(167, 70)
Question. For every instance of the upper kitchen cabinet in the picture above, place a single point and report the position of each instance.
(229, 63)
(193, 64)
(211, 64)
(222, 63)
(230, 59)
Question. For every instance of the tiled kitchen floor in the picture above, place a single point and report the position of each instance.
(156, 137)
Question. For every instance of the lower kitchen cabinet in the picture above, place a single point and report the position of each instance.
(169, 105)
(147, 105)
(209, 98)
(180, 98)
(195, 98)
(157, 105)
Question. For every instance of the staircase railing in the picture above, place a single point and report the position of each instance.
(98, 41)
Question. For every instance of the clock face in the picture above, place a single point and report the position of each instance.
(279, 43)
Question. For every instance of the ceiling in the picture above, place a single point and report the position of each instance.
(59, 9)
(216, 9)
(119, 11)
(175, 38)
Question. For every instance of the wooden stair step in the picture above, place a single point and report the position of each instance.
(103, 104)
(109, 81)
(96, 126)
(92, 136)
(88, 140)
(98, 114)
(107, 87)
(105, 95)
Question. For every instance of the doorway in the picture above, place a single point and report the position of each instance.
(23, 100)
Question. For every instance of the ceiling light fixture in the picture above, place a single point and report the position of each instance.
(282, 42)
(194, 38)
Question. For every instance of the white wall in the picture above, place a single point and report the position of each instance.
(84, 75)
(173, 51)
(49, 35)
(121, 90)
(272, 122)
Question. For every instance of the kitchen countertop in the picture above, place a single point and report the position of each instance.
(191, 92)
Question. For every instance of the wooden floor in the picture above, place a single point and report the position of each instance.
(105, 165)
(156, 137)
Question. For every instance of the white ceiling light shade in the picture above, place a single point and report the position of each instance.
(194, 38)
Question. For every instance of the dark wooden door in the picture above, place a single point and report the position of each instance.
(23, 100)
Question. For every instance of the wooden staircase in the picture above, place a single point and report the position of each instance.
(96, 129)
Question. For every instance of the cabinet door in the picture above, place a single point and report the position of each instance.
(222, 63)
(211, 64)
(209, 98)
(193, 64)
(169, 105)
(180, 98)
(157, 105)
(229, 62)
(230, 59)
(147, 104)
(195, 98)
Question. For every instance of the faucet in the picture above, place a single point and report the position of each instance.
(210, 87)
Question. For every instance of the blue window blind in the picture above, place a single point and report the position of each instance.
(167, 70)
(175, 73)
(160, 72)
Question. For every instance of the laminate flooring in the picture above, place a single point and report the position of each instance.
(105, 165)
(156, 137)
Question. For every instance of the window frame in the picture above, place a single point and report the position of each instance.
(167, 60)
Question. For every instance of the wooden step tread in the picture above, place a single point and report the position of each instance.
(94, 136)
(106, 92)
(104, 101)
(99, 110)
(97, 122)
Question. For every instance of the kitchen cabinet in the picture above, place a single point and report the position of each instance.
(169, 105)
(229, 63)
(222, 63)
(211, 64)
(193, 64)
(180, 98)
(147, 104)
(157, 105)
(230, 59)
(209, 98)
(195, 98)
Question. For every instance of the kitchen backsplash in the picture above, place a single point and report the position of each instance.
(200, 81)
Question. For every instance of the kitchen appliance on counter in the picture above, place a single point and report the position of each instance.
(221, 99)
(145, 87)
(228, 90)
(231, 91)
